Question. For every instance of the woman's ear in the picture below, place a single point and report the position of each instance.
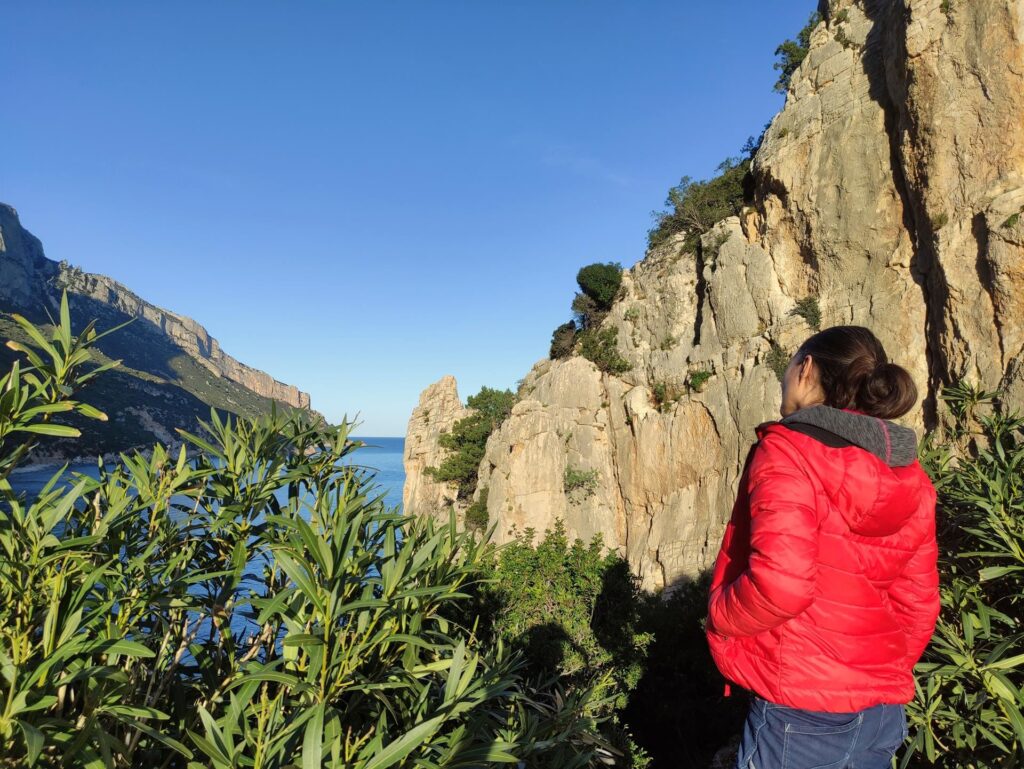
(806, 376)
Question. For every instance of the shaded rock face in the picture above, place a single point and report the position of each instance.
(28, 279)
(889, 189)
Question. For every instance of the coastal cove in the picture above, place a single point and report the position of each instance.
(738, 480)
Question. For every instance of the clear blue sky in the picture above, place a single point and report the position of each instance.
(359, 198)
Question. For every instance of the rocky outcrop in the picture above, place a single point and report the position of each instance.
(28, 278)
(439, 408)
(889, 190)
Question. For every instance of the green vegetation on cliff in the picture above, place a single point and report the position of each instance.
(791, 53)
(694, 207)
(467, 439)
(599, 285)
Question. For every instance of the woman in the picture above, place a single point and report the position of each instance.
(825, 592)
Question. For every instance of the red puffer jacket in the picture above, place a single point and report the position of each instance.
(825, 592)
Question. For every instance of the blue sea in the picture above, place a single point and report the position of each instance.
(382, 455)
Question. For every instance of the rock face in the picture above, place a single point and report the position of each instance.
(184, 332)
(439, 408)
(890, 189)
(27, 276)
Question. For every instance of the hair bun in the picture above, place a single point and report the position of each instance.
(887, 392)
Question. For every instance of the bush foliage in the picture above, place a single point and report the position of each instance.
(969, 709)
(694, 207)
(577, 613)
(563, 340)
(467, 439)
(599, 286)
(777, 360)
(582, 481)
(808, 309)
(600, 282)
(791, 53)
(254, 605)
(601, 347)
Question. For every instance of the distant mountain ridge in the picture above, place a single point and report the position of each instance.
(173, 370)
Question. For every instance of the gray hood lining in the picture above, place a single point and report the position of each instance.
(892, 443)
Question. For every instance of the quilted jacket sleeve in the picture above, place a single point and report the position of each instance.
(779, 581)
(915, 594)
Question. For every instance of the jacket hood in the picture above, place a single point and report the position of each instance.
(878, 489)
(892, 443)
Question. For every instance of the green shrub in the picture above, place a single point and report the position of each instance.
(693, 207)
(255, 604)
(668, 343)
(841, 37)
(947, 8)
(600, 282)
(599, 285)
(696, 380)
(578, 614)
(665, 395)
(476, 514)
(600, 346)
(792, 53)
(711, 251)
(939, 220)
(808, 309)
(467, 439)
(563, 340)
(969, 710)
(1012, 220)
(777, 360)
(584, 481)
(632, 314)
(586, 311)
(676, 712)
(842, 17)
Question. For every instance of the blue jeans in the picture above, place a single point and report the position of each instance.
(778, 737)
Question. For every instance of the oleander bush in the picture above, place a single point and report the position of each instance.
(969, 710)
(250, 602)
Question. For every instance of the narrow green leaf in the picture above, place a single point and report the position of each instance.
(162, 738)
(303, 639)
(398, 749)
(312, 740)
(48, 428)
(33, 741)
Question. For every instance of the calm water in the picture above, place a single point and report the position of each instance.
(383, 455)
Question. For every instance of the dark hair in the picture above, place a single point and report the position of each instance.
(856, 373)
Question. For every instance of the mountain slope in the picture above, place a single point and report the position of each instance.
(172, 370)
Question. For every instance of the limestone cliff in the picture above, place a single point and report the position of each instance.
(184, 332)
(890, 189)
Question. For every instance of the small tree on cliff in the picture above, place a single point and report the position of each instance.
(599, 284)
(792, 52)
(468, 438)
